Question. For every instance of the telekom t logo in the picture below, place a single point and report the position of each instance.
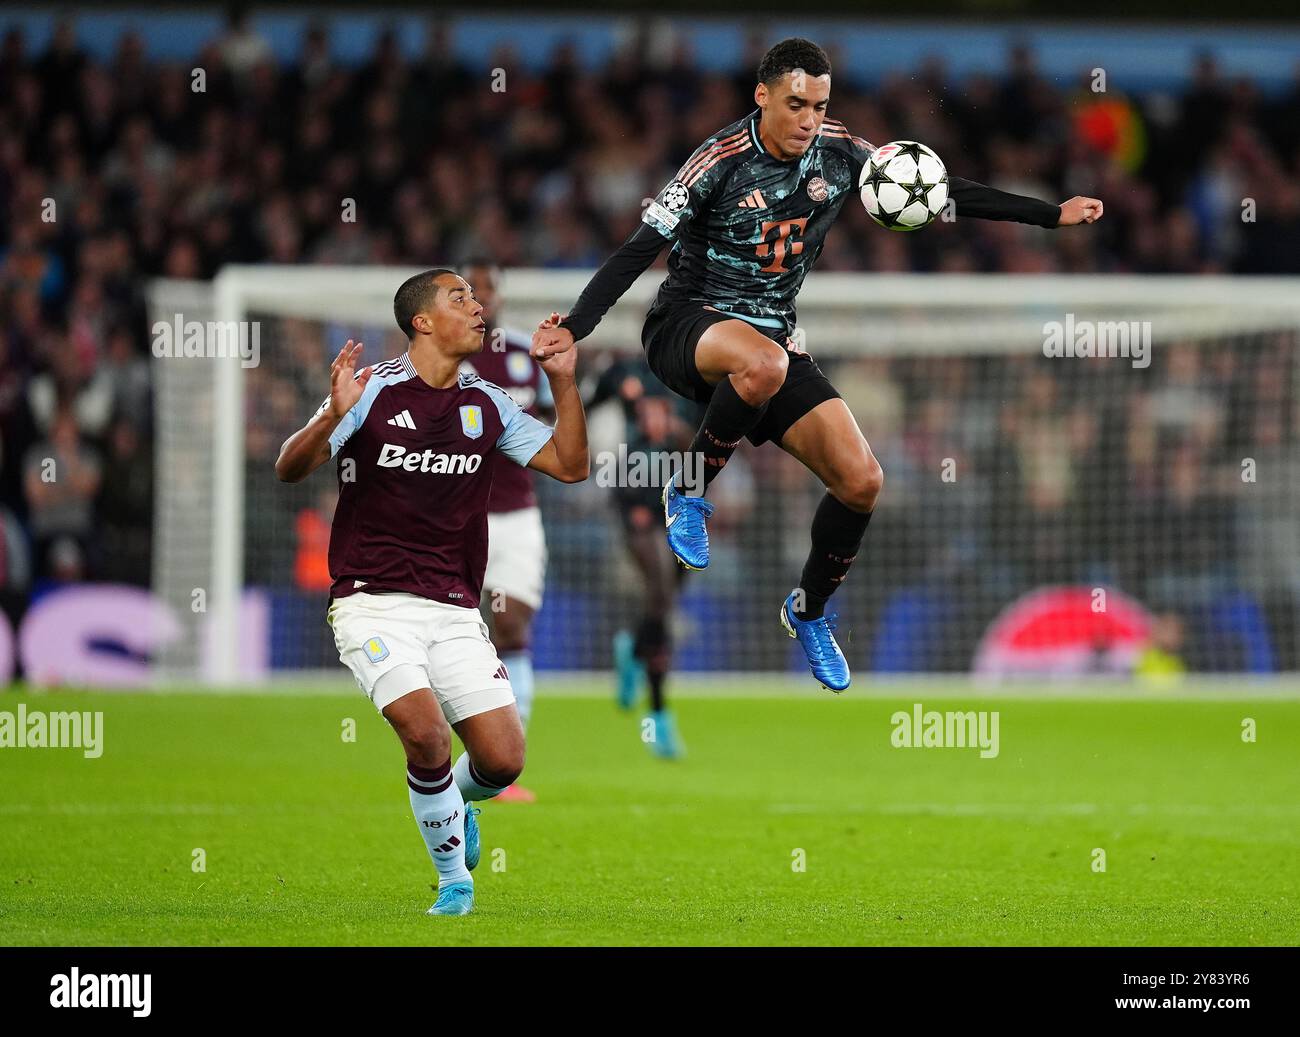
(776, 248)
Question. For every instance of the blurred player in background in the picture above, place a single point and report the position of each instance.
(747, 216)
(652, 424)
(516, 564)
(408, 549)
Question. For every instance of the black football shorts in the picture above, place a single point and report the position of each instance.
(669, 337)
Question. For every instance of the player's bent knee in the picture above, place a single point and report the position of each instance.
(762, 377)
(501, 767)
(420, 727)
(429, 746)
(862, 489)
(875, 479)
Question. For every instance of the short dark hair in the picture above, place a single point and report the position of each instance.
(415, 294)
(793, 53)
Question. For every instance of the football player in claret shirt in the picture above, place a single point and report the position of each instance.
(516, 561)
(414, 439)
(746, 218)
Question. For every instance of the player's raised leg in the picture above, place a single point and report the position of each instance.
(746, 369)
(435, 798)
(493, 756)
(828, 441)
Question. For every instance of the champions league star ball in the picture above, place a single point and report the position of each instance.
(903, 185)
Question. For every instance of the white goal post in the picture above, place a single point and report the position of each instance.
(204, 413)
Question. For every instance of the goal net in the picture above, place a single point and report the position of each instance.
(1080, 472)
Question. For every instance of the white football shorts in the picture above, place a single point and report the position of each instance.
(516, 562)
(398, 643)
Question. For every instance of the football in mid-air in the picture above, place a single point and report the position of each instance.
(903, 185)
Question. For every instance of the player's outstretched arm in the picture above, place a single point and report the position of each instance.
(988, 203)
(565, 455)
(309, 447)
(632, 259)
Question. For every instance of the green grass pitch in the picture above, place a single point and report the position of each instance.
(308, 838)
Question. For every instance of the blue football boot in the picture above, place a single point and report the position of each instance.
(684, 517)
(456, 898)
(472, 844)
(664, 741)
(819, 645)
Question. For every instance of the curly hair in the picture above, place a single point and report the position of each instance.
(789, 55)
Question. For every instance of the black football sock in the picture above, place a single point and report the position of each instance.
(727, 420)
(656, 682)
(837, 532)
(652, 648)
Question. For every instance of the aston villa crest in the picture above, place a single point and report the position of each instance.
(471, 421)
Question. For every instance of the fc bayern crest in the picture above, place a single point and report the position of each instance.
(675, 196)
(471, 421)
(817, 189)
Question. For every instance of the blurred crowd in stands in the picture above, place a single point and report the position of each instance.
(114, 173)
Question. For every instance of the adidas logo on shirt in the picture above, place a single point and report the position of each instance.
(753, 200)
(402, 420)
